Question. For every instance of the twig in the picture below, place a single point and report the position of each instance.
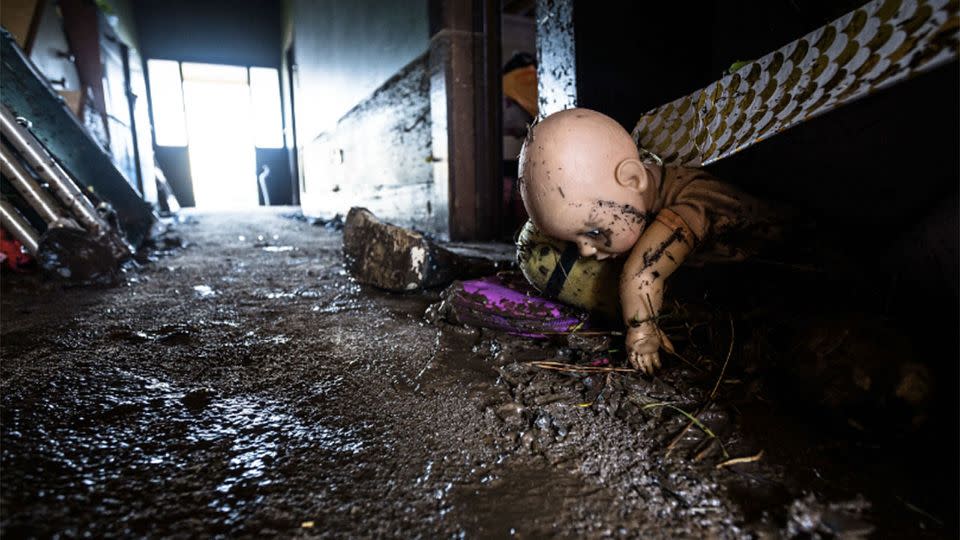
(573, 368)
(696, 421)
(584, 333)
(919, 510)
(693, 419)
(682, 359)
(739, 460)
(676, 440)
(706, 448)
(723, 370)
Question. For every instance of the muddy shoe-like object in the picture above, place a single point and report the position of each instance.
(391, 257)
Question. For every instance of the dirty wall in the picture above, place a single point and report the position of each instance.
(379, 156)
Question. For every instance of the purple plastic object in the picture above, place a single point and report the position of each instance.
(515, 308)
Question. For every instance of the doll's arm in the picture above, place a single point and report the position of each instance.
(660, 250)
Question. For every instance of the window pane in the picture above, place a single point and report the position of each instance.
(166, 102)
(265, 98)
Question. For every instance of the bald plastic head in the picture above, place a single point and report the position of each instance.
(576, 157)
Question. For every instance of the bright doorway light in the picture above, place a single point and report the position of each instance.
(222, 155)
(265, 99)
(220, 113)
(166, 98)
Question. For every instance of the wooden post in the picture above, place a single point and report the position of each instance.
(465, 95)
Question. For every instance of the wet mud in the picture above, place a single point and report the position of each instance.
(240, 384)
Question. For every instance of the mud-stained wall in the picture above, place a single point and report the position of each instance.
(379, 156)
(342, 54)
(556, 56)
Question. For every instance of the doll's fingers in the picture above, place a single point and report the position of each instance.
(648, 363)
(653, 362)
(640, 363)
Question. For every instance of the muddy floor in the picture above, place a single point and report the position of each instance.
(239, 383)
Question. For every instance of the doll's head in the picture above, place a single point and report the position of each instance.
(582, 181)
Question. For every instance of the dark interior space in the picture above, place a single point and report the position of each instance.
(659, 62)
(294, 268)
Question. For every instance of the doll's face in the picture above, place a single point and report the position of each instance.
(569, 168)
(600, 227)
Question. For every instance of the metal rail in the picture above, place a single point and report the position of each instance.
(36, 197)
(60, 183)
(12, 221)
(43, 163)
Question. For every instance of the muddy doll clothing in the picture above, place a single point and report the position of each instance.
(726, 224)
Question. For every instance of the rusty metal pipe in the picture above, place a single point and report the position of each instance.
(60, 182)
(36, 197)
(12, 221)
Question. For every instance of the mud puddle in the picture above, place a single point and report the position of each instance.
(523, 499)
(293, 402)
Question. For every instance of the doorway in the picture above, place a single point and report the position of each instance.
(216, 100)
(218, 131)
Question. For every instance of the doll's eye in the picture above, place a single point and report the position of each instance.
(595, 233)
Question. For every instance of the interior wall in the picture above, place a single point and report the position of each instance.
(344, 54)
(346, 49)
(247, 33)
(378, 157)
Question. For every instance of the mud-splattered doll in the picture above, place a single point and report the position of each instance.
(583, 181)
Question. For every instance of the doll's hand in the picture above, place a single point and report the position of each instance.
(642, 344)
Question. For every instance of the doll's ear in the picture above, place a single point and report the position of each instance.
(632, 174)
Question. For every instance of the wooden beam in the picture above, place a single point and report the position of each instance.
(465, 112)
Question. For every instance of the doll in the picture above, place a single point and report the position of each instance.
(582, 181)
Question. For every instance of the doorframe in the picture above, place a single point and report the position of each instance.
(289, 69)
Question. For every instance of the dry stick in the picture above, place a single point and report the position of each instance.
(695, 418)
(704, 449)
(584, 333)
(668, 346)
(684, 360)
(665, 340)
(919, 510)
(573, 368)
(723, 370)
(696, 421)
(739, 460)
(676, 440)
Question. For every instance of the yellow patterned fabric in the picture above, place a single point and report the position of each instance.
(876, 46)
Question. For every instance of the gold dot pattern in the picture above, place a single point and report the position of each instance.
(871, 48)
